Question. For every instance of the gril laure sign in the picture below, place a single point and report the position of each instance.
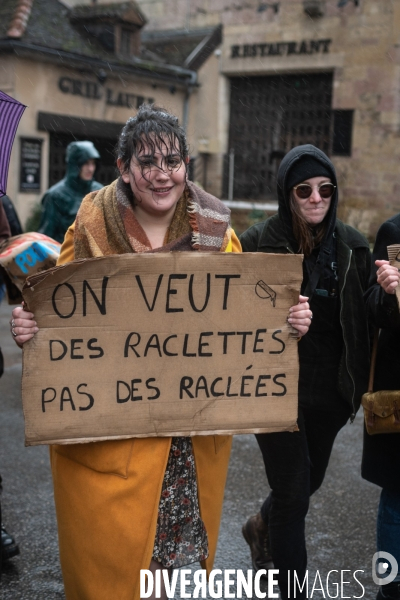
(94, 91)
(281, 48)
(161, 344)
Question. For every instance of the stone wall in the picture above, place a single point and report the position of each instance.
(364, 56)
(36, 84)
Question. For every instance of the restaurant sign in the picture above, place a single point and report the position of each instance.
(281, 48)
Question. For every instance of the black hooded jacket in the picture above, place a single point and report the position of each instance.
(12, 217)
(334, 355)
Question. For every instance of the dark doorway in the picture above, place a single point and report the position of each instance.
(268, 117)
(105, 173)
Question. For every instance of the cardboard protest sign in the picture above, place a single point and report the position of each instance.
(24, 255)
(145, 345)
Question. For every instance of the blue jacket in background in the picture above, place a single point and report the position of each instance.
(62, 201)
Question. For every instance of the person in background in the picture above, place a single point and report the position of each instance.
(5, 231)
(12, 216)
(15, 229)
(62, 201)
(381, 453)
(9, 548)
(333, 356)
(164, 511)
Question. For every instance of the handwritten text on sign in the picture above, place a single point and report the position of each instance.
(161, 344)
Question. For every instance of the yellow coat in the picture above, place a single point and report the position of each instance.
(107, 496)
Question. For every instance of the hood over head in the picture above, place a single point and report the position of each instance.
(77, 154)
(299, 164)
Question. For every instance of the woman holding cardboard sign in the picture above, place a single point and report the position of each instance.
(153, 503)
(333, 356)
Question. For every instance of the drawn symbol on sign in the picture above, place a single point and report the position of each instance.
(264, 291)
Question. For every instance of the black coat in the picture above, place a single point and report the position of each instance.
(12, 216)
(381, 453)
(334, 355)
(353, 269)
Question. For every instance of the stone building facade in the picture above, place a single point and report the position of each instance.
(298, 71)
(249, 80)
(82, 73)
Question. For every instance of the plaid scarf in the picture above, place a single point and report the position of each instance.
(106, 224)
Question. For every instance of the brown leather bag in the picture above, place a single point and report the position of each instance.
(381, 409)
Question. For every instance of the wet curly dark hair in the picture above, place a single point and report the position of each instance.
(153, 128)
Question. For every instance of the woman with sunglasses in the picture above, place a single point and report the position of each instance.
(333, 356)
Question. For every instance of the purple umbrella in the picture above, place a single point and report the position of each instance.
(10, 114)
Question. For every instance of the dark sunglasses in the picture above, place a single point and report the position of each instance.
(304, 190)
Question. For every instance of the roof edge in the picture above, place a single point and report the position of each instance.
(148, 69)
(84, 12)
(204, 49)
